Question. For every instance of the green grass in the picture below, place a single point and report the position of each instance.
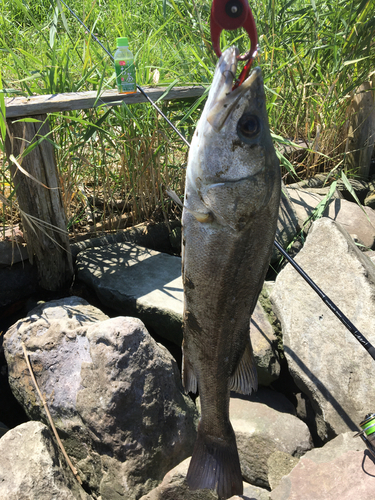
(314, 54)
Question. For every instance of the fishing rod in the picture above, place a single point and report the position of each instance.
(138, 86)
(331, 305)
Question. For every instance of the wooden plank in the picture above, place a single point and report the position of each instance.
(47, 246)
(17, 107)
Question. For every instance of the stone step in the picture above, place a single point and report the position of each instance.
(136, 281)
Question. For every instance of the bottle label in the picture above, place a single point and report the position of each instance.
(125, 75)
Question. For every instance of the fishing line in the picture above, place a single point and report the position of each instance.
(331, 305)
(138, 86)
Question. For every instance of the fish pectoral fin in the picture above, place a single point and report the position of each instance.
(174, 197)
(200, 216)
(245, 378)
(189, 380)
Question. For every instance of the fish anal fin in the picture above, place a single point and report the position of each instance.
(215, 465)
(245, 378)
(189, 380)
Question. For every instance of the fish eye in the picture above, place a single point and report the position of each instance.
(248, 126)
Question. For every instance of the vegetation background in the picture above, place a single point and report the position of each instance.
(119, 161)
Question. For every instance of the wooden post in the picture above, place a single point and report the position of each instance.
(361, 133)
(45, 233)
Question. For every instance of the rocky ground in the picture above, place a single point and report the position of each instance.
(109, 370)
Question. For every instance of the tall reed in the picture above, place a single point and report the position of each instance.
(314, 54)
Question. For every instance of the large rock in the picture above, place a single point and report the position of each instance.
(326, 361)
(136, 281)
(174, 487)
(361, 189)
(279, 465)
(11, 253)
(287, 223)
(32, 467)
(264, 342)
(339, 470)
(359, 221)
(113, 392)
(370, 199)
(260, 431)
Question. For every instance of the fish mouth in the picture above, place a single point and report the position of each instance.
(224, 75)
(222, 98)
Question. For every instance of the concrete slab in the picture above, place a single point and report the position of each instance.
(136, 281)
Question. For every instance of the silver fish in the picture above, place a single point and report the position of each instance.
(229, 221)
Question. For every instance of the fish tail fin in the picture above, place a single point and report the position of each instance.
(245, 378)
(215, 465)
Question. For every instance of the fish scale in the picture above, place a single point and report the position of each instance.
(232, 196)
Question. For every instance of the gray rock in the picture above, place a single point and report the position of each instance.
(174, 487)
(313, 182)
(260, 431)
(114, 393)
(361, 188)
(264, 396)
(11, 253)
(323, 191)
(341, 469)
(354, 219)
(287, 223)
(279, 465)
(33, 468)
(371, 255)
(269, 397)
(137, 282)
(251, 492)
(303, 203)
(264, 344)
(370, 199)
(327, 363)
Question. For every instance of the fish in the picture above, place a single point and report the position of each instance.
(229, 218)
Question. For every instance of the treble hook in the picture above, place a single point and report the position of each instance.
(230, 15)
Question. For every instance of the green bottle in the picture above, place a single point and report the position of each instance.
(124, 67)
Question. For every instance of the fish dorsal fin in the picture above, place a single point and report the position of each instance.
(245, 378)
